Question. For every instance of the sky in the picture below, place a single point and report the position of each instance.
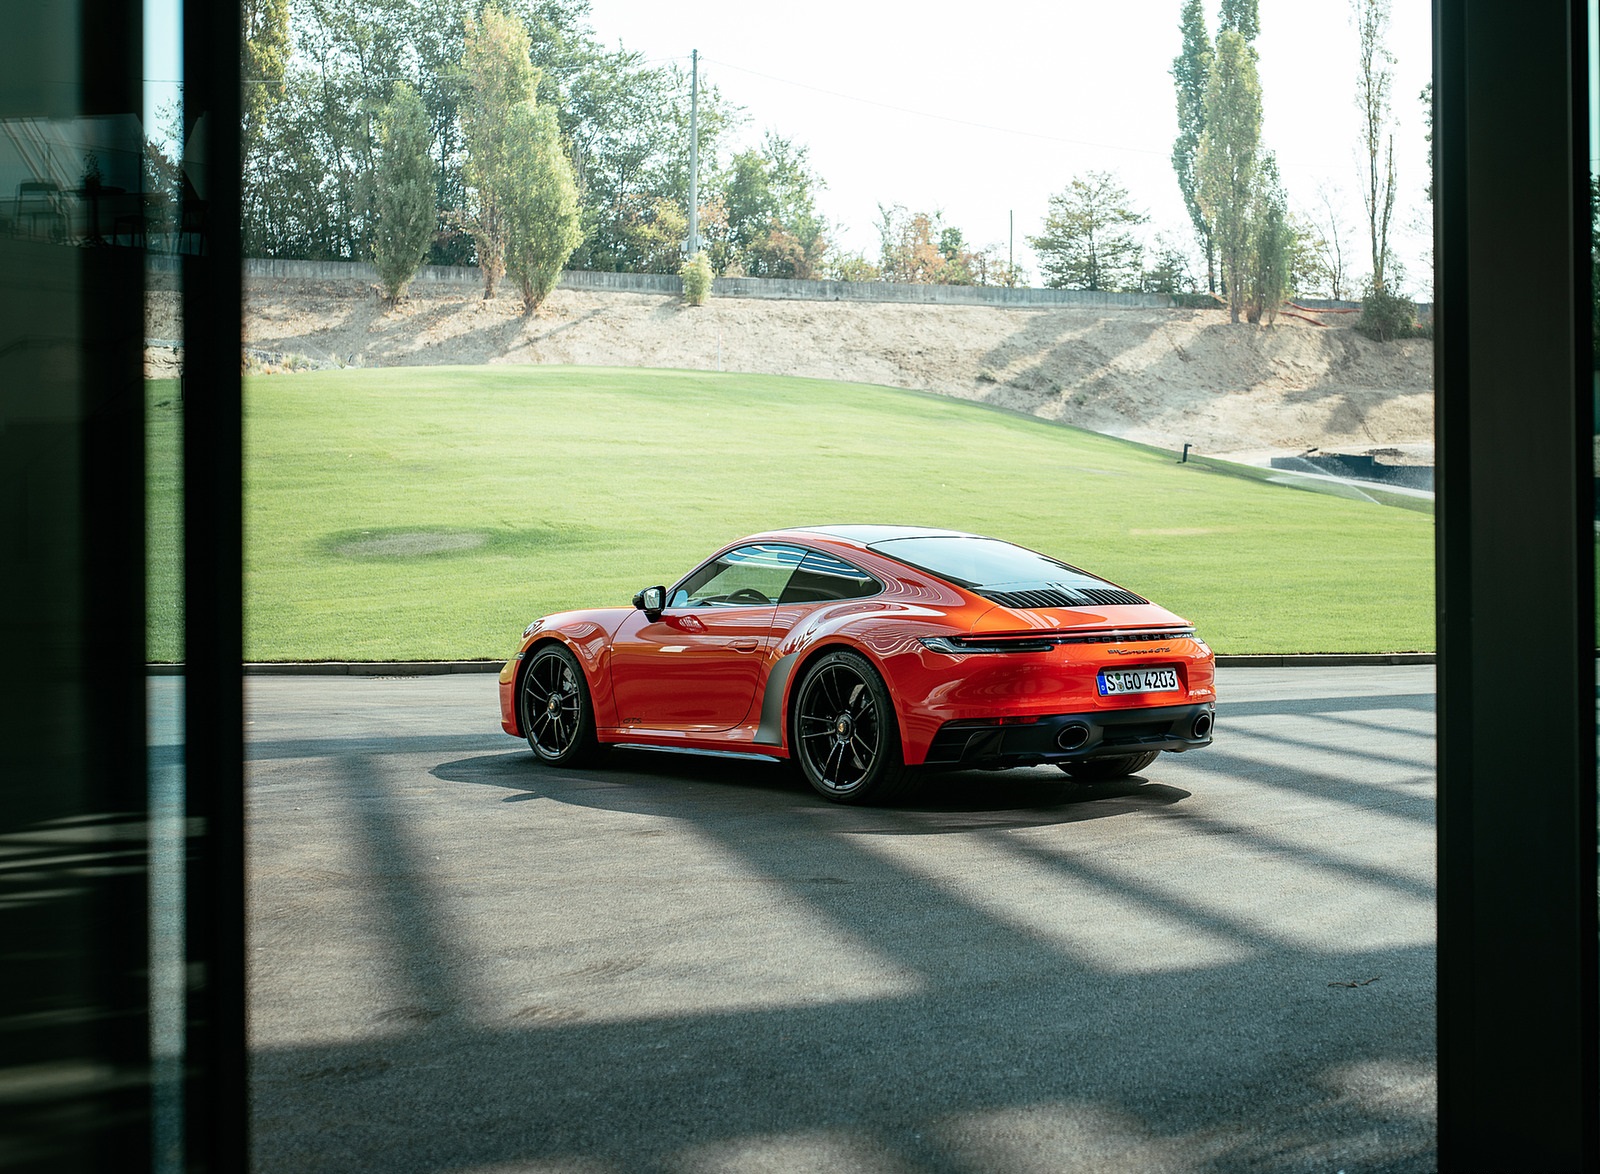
(983, 112)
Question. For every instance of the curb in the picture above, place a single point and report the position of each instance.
(1322, 659)
(347, 668)
(434, 668)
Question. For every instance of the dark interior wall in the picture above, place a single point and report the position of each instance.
(73, 1019)
(216, 1109)
(1517, 867)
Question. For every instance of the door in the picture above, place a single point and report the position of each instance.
(697, 666)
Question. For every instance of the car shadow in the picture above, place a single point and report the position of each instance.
(691, 785)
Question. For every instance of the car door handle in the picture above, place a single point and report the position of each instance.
(746, 645)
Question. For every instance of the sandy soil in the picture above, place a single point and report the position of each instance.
(1165, 377)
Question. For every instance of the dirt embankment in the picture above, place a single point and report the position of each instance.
(1162, 376)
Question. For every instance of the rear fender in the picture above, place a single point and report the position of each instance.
(777, 709)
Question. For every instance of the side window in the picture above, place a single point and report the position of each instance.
(747, 576)
(821, 578)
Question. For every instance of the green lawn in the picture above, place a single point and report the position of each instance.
(432, 512)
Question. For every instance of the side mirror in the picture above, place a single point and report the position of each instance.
(650, 601)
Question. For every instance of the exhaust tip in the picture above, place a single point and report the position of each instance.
(1072, 736)
(1202, 725)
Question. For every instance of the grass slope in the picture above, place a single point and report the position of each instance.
(432, 512)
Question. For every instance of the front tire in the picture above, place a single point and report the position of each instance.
(844, 734)
(1101, 770)
(554, 708)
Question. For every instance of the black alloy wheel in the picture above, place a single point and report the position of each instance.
(556, 715)
(844, 733)
(1100, 770)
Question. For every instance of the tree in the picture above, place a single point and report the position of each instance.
(1191, 70)
(540, 209)
(993, 266)
(436, 30)
(908, 246)
(1228, 157)
(852, 267)
(1271, 245)
(264, 58)
(1307, 273)
(308, 165)
(500, 79)
(309, 146)
(403, 192)
(650, 233)
(1242, 17)
(627, 126)
(163, 178)
(1372, 99)
(1326, 242)
(1087, 242)
(769, 195)
(1426, 98)
(961, 264)
(1169, 274)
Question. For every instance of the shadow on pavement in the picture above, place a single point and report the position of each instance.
(651, 783)
(1207, 989)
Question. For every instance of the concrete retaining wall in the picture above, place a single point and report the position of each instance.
(724, 287)
(768, 288)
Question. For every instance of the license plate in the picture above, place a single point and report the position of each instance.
(1116, 682)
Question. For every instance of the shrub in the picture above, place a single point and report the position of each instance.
(1387, 316)
(697, 279)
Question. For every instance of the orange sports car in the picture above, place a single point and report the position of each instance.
(867, 655)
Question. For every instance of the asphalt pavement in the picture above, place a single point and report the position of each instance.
(462, 961)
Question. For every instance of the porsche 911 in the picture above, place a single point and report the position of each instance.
(868, 656)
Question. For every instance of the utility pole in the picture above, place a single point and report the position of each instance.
(1011, 247)
(694, 152)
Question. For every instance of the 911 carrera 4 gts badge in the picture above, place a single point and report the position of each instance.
(1139, 651)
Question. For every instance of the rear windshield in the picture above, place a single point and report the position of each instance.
(979, 564)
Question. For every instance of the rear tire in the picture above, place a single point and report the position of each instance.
(843, 732)
(1100, 770)
(554, 709)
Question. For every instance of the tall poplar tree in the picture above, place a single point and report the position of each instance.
(1228, 157)
(500, 77)
(403, 192)
(1191, 71)
(1242, 17)
(1372, 99)
(541, 210)
(263, 58)
(1271, 246)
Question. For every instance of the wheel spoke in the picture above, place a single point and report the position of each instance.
(834, 763)
(865, 752)
(829, 686)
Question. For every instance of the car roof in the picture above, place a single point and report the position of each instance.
(866, 535)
